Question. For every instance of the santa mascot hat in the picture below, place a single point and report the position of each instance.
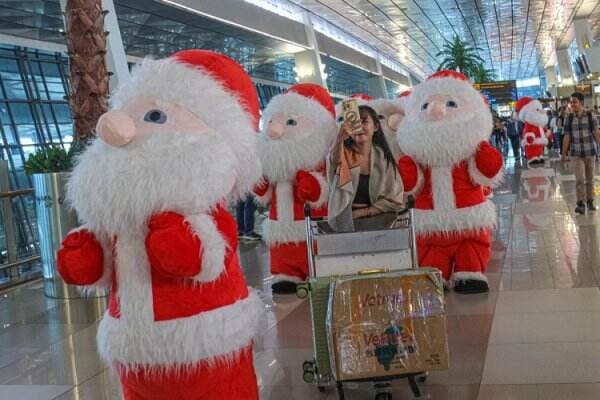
(524, 105)
(447, 81)
(212, 86)
(307, 99)
(402, 98)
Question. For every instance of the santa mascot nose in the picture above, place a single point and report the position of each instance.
(275, 130)
(436, 111)
(116, 128)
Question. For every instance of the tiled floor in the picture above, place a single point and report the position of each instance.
(536, 335)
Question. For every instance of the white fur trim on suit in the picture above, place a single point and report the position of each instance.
(324, 190)
(213, 247)
(480, 179)
(276, 232)
(464, 275)
(442, 189)
(181, 342)
(286, 278)
(102, 286)
(481, 216)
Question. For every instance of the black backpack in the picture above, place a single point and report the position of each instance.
(569, 124)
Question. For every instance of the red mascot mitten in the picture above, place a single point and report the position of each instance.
(449, 166)
(535, 135)
(150, 192)
(299, 127)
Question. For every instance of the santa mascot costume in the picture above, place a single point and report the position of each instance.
(535, 134)
(298, 129)
(447, 163)
(178, 143)
(536, 189)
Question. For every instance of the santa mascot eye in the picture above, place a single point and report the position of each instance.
(156, 117)
(451, 103)
(291, 122)
(381, 117)
(424, 106)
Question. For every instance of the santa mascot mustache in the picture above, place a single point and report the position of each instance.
(282, 158)
(114, 189)
(445, 142)
(537, 118)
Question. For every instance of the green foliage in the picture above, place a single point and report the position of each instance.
(482, 75)
(459, 56)
(51, 159)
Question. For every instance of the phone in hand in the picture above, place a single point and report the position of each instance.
(351, 114)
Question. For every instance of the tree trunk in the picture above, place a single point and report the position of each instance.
(86, 42)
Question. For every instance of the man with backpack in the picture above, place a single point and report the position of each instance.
(581, 133)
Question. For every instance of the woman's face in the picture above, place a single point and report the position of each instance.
(369, 128)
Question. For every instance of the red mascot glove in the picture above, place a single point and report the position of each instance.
(173, 249)
(307, 188)
(409, 172)
(488, 160)
(261, 188)
(80, 259)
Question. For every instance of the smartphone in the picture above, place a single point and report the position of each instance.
(351, 113)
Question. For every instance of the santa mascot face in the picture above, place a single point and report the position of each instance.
(297, 132)
(178, 138)
(533, 113)
(446, 119)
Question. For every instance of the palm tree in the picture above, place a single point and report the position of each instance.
(482, 75)
(86, 42)
(459, 56)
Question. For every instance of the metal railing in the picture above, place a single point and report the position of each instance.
(13, 263)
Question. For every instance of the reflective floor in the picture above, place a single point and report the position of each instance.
(536, 335)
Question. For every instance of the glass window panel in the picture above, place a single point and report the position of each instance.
(66, 130)
(21, 113)
(62, 112)
(27, 134)
(8, 66)
(14, 89)
(9, 132)
(50, 70)
(56, 91)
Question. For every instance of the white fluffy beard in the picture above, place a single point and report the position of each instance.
(282, 158)
(537, 119)
(117, 189)
(446, 142)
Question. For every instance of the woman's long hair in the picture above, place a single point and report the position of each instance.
(379, 139)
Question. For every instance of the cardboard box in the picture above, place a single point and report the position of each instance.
(387, 324)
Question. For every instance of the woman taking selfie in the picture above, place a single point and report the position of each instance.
(362, 174)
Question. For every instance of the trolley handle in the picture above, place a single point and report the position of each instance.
(410, 204)
(307, 210)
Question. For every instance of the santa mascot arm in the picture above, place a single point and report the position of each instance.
(485, 167)
(85, 259)
(263, 191)
(411, 174)
(197, 247)
(311, 187)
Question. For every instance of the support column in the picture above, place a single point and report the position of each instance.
(116, 60)
(308, 62)
(377, 88)
(564, 66)
(584, 38)
(551, 80)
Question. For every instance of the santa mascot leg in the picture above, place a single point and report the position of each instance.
(289, 262)
(471, 260)
(534, 153)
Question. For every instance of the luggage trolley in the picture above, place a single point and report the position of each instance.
(332, 255)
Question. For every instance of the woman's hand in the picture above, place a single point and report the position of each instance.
(346, 132)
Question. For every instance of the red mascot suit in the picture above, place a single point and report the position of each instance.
(178, 142)
(535, 135)
(298, 129)
(448, 162)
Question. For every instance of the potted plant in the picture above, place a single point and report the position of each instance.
(49, 168)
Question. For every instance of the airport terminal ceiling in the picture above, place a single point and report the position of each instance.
(516, 37)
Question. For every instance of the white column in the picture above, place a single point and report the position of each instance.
(564, 66)
(308, 62)
(116, 60)
(551, 80)
(376, 83)
(585, 45)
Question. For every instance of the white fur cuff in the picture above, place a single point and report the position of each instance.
(464, 275)
(481, 179)
(286, 278)
(213, 247)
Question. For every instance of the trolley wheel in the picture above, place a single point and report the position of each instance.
(321, 388)
(302, 291)
(383, 396)
(308, 376)
(340, 390)
(307, 365)
(423, 377)
(414, 386)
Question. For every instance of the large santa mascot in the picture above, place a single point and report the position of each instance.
(535, 135)
(447, 163)
(178, 142)
(298, 129)
(391, 113)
